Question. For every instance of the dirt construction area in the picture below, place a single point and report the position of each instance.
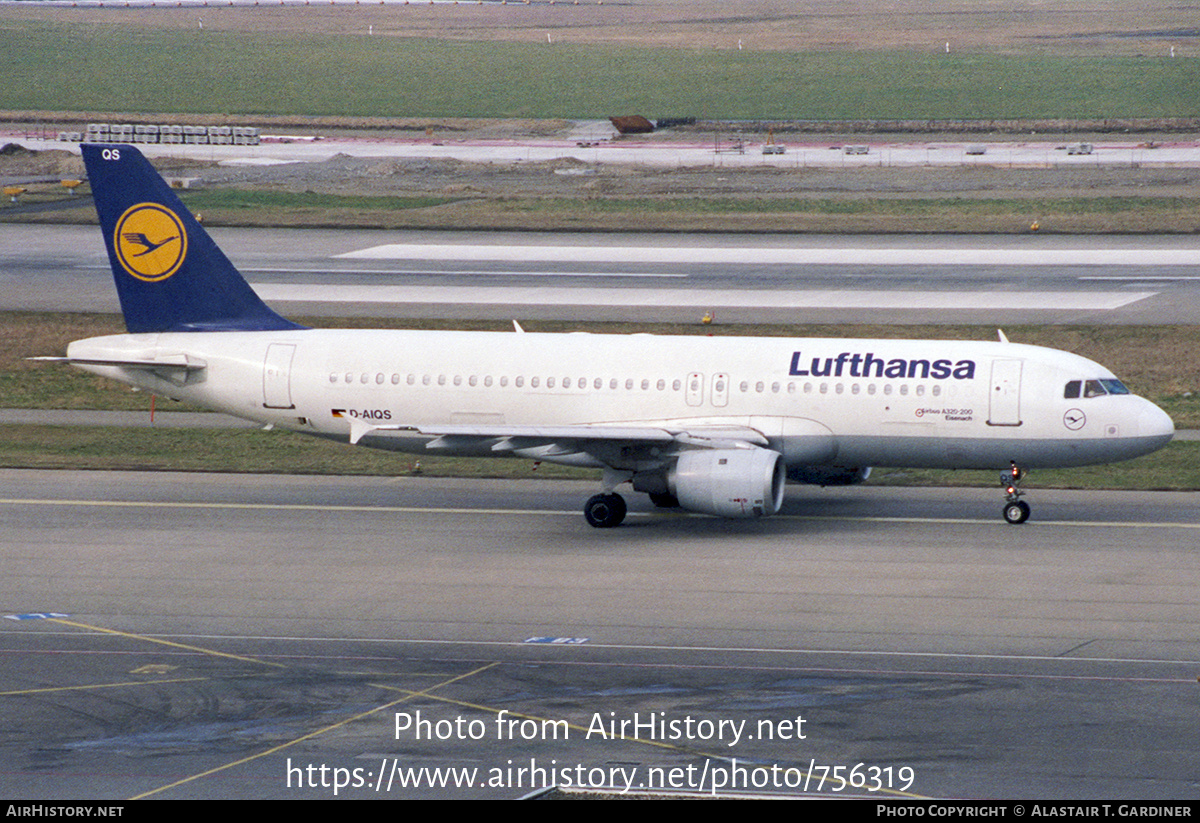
(416, 192)
(569, 178)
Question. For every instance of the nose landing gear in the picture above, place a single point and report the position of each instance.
(1016, 510)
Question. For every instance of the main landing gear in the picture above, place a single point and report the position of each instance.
(604, 511)
(1016, 510)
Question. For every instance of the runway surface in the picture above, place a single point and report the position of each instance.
(655, 277)
(220, 634)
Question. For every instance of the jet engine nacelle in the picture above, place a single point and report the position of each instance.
(828, 475)
(729, 482)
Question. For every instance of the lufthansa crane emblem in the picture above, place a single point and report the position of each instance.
(150, 242)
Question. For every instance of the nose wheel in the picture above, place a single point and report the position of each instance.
(1016, 510)
(604, 511)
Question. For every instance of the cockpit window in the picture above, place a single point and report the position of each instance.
(1093, 388)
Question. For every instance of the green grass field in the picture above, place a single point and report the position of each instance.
(143, 69)
(870, 215)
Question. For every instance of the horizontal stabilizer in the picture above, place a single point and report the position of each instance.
(183, 363)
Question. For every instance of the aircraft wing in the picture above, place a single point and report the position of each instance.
(600, 441)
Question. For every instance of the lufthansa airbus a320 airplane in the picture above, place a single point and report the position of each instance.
(708, 424)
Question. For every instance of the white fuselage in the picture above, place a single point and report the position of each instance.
(850, 403)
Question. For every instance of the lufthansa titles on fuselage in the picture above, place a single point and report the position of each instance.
(855, 364)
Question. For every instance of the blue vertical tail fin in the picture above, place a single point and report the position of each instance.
(170, 275)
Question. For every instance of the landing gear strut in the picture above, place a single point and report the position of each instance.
(604, 511)
(1016, 510)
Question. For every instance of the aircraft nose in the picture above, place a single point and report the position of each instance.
(1156, 423)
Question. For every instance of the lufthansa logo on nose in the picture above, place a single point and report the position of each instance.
(150, 242)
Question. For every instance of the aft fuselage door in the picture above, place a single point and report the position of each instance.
(1004, 404)
(277, 376)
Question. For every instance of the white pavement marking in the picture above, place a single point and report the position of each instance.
(809, 257)
(728, 298)
(317, 507)
(1140, 277)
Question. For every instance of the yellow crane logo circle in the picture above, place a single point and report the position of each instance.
(150, 242)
